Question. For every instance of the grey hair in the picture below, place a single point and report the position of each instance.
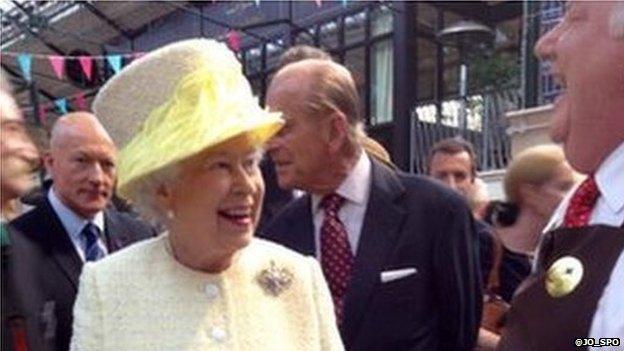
(143, 193)
(616, 22)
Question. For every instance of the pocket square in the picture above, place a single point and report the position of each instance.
(395, 274)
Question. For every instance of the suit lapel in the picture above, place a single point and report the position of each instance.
(382, 223)
(302, 236)
(61, 247)
(117, 234)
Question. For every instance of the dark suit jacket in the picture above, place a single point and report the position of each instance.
(410, 221)
(43, 268)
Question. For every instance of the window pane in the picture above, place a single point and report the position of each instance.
(274, 50)
(426, 69)
(355, 61)
(381, 82)
(329, 34)
(305, 37)
(381, 21)
(355, 28)
(253, 60)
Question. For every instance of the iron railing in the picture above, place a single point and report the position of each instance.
(484, 125)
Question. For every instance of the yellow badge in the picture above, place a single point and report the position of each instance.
(274, 280)
(563, 276)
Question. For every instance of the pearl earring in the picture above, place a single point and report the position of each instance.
(170, 214)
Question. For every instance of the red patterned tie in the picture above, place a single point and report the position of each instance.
(581, 204)
(336, 255)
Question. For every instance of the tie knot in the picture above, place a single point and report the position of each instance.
(587, 193)
(581, 204)
(331, 203)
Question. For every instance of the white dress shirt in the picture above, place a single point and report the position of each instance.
(356, 191)
(608, 321)
(73, 224)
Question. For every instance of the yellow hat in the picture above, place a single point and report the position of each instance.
(175, 102)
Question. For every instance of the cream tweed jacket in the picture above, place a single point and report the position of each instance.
(141, 298)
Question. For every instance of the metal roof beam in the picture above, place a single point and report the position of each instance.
(99, 14)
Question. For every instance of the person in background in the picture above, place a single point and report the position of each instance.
(454, 162)
(577, 286)
(206, 283)
(535, 182)
(19, 158)
(51, 243)
(397, 249)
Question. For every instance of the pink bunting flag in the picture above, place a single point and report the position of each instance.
(81, 103)
(86, 62)
(58, 65)
(318, 3)
(43, 117)
(233, 40)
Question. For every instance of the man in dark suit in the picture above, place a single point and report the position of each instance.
(397, 250)
(71, 226)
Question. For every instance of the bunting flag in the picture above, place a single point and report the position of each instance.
(58, 65)
(318, 3)
(233, 39)
(115, 62)
(61, 105)
(257, 2)
(25, 62)
(58, 62)
(86, 62)
(344, 3)
(43, 114)
(81, 103)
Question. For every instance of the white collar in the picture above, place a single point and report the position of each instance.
(356, 186)
(72, 222)
(610, 179)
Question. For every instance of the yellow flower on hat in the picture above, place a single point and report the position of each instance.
(204, 101)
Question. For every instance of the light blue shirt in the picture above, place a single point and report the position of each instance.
(73, 224)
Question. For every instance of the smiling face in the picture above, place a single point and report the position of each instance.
(216, 200)
(589, 63)
(82, 163)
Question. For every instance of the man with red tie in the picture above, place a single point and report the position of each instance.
(397, 250)
(577, 289)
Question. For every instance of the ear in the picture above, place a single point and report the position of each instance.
(48, 162)
(338, 130)
(164, 196)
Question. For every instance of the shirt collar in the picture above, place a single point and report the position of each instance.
(609, 179)
(355, 188)
(72, 222)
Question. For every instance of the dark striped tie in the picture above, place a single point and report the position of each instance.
(93, 251)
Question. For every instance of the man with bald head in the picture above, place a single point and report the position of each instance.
(73, 225)
(396, 249)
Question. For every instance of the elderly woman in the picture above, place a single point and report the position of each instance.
(206, 283)
(536, 181)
